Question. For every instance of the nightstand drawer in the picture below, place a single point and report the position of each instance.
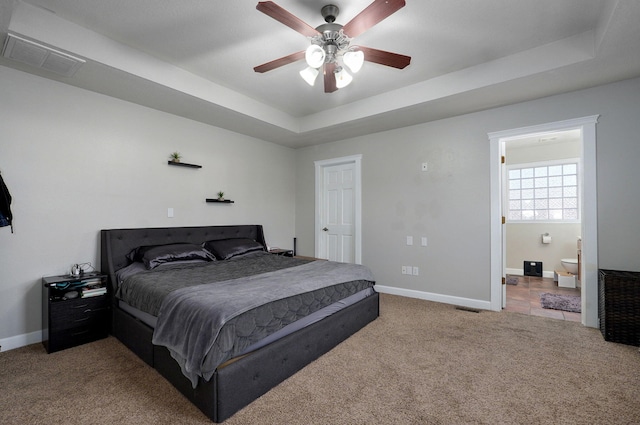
(72, 337)
(79, 312)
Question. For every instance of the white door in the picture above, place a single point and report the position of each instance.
(338, 214)
(337, 220)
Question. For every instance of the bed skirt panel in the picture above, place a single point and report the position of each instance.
(238, 384)
(134, 334)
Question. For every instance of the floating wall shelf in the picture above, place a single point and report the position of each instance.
(184, 164)
(226, 201)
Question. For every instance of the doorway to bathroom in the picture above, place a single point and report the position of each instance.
(542, 210)
(537, 218)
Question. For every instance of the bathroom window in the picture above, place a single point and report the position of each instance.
(544, 192)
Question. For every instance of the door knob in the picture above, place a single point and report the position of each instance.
(325, 230)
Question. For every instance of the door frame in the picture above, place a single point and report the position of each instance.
(356, 160)
(589, 209)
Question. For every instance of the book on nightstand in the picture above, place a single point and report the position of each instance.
(94, 292)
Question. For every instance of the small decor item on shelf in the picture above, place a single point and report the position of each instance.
(175, 156)
(220, 196)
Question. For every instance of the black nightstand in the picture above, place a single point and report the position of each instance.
(75, 310)
(279, 251)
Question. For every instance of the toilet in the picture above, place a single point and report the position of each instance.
(570, 265)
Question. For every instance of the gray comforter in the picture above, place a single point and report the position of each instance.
(204, 325)
(146, 289)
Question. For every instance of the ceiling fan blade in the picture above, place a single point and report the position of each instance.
(395, 60)
(330, 77)
(285, 60)
(281, 15)
(371, 15)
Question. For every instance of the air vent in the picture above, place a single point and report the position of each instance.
(40, 56)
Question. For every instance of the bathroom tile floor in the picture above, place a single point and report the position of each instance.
(525, 297)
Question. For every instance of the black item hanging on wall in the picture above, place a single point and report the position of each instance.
(6, 218)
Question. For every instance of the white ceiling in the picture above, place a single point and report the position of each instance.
(195, 58)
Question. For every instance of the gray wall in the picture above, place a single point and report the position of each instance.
(77, 162)
(450, 203)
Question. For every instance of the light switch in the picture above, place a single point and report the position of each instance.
(424, 166)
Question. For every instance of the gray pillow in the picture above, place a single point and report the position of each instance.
(154, 255)
(224, 249)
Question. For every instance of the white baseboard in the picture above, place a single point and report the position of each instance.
(18, 341)
(520, 272)
(429, 296)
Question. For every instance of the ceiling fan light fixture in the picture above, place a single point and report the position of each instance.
(309, 74)
(314, 55)
(354, 60)
(330, 43)
(343, 78)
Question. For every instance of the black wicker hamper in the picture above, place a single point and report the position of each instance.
(619, 306)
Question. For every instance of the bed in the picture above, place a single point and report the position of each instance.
(303, 325)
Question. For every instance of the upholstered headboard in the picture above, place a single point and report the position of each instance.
(115, 244)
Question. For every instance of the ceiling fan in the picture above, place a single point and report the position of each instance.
(331, 42)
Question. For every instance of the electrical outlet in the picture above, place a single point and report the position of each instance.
(410, 270)
(409, 240)
(424, 241)
(170, 212)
